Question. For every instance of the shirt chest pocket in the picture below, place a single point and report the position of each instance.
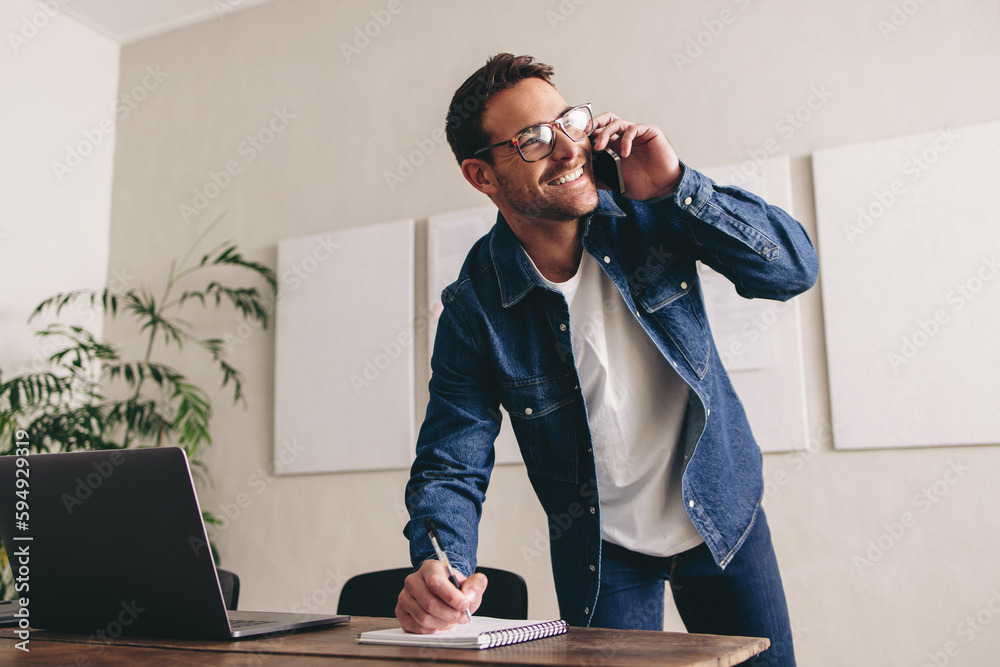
(543, 413)
(674, 303)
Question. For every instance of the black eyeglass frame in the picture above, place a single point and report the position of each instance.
(558, 122)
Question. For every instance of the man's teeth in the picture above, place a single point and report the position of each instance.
(571, 176)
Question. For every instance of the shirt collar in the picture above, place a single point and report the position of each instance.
(514, 273)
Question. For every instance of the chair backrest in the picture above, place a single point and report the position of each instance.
(230, 584)
(375, 594)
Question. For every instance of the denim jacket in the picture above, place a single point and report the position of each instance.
(503, 338)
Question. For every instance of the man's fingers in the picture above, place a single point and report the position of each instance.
(413, 618)
(473, 588)
(440, 585)
(419, 610)
(430, 602)
(627, 137)
(606, 126)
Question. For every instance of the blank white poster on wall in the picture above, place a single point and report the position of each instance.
(909, 234)
(344, 385)
(450, 236)
(759, 340)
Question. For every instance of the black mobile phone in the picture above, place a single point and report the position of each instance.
(608, 170)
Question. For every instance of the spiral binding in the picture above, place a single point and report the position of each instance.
(525, 633)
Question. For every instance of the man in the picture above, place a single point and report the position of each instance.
(581, 314)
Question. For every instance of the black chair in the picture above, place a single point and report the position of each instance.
(230, 584)
(375, 594)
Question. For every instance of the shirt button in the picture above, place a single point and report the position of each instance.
(674, 363)
(593, 569)
(562, 327)
(684, 285)
(708, 412)
(687, 201)
(586, 610)
(607, 260)
(690, 503)
(527, 411)
(593, 511)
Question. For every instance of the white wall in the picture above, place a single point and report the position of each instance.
(58, 81)
(296, 538)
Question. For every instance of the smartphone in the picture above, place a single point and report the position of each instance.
(608, 170)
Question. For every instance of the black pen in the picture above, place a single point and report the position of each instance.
(436, 543)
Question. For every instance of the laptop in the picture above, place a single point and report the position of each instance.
(116, 546)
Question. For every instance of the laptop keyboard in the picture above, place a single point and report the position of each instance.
(238, 624)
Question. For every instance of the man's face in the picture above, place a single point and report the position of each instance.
(534, 189)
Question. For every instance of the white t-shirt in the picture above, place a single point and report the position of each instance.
(635, 407)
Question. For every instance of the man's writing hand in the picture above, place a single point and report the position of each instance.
(649, 163)
(429, 602)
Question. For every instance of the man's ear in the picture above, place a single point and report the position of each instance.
(480, 175)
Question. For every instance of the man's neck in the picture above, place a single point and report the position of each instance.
(554, 247)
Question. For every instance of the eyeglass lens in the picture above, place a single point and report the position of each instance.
(536, 142)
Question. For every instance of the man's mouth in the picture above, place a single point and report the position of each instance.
(566, 178)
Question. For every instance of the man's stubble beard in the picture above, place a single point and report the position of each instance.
(532, 206)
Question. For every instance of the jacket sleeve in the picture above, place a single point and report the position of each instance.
(454, 452)
(764, 251)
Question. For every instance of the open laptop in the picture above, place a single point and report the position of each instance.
(116, 545)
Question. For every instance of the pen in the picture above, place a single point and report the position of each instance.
(436, 542)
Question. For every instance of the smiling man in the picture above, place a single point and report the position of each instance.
(581, 313)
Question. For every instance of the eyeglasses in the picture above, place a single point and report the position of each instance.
(537, 142)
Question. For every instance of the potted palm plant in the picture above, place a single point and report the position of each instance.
(90, 396)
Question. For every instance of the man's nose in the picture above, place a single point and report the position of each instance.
(565, 148)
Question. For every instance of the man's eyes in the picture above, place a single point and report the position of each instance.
(536, 135)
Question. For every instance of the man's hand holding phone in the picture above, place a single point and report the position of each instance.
(650, 166)
(430, 602)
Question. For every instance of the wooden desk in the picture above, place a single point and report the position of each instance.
(592, 647)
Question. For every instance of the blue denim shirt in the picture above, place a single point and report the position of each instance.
(504, 339)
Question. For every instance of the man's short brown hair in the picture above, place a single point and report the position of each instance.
(464, 122)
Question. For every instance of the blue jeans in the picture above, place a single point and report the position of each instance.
(745, 599)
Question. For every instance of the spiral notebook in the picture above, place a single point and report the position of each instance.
(482, 632)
